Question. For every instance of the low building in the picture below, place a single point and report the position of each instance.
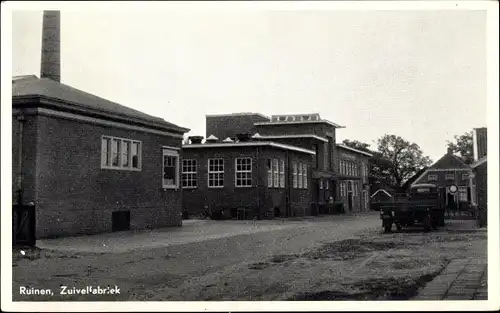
(449, 171)
(254, 178)
(308, 133)
(89, 165)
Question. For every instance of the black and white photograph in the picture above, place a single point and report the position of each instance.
(250, 155)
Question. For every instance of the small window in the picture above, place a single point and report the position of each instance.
(304, 173)
(243, 172)
(276, 173)
(432, 177)
(170, 169)
(189, 174)
(321, 184)
(349, 186)
(294, 179)
(282, 173)
(450, 176)
(215, 173)
(327, 184)
(465, 176)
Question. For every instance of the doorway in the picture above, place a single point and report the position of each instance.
(120, 221)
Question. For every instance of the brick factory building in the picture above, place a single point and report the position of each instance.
(89, 165)
(335, 173)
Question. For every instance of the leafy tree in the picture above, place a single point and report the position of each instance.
(379, 166)
(462, 146)
(406, 158)
(357, 145)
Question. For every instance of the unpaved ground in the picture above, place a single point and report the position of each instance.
(333, 259)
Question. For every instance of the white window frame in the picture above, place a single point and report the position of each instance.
(342, 189)
(244, 172)
(282, 173)
(465, 176)
(320, 184)
(327, 184)
(449, 176)
(462, 191)
(304, 175)
(189, 177)
(432, 177)
(294, 165)
(349, 184)
(270, 173)
(276, 174)
(175, 154)
(300, 178)
(216, 173)
(106, 160)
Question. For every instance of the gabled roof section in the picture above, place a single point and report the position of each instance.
(31, 86)
(381, 191)
(449, 161)
(414, 178)
(479, 162)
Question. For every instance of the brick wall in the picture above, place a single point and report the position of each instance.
(229, 126)
(258, 198)
(481, 179)
(441, 178)
(76, 196)
(29, 151)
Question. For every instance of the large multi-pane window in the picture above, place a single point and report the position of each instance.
(243, 172)
(189, 174)
(215, 173)
(304, 173)
(276, 174)
(462, 194)
(300, 176)
(170, 168)
(120, 153)
(294, 179)
(282, 173)
(269, 172)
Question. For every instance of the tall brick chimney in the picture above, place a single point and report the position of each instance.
(51, 46)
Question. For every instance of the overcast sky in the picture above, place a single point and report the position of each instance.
(417, 74)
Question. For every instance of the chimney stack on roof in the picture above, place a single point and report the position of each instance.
(51, 46)
(450, 150)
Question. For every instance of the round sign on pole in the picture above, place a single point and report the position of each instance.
(453, 189)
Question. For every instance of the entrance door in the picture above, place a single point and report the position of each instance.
(451, 201)
(120, 220)
(349, 201)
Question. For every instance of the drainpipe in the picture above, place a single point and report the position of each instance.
(21, 120)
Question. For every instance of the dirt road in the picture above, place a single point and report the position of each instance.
(341, 257)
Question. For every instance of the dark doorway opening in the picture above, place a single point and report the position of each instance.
(120, 221)
(349, 201)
